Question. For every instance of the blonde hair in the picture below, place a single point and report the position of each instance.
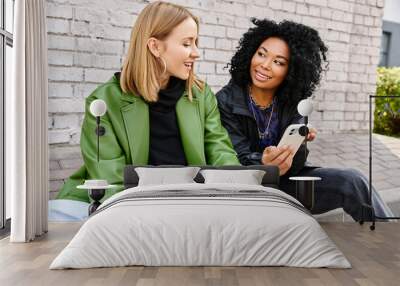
(141, 70)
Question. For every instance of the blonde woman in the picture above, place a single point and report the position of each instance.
(158, 112)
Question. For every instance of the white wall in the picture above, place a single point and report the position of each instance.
(392, 11)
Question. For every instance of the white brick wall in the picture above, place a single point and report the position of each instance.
(87, 42)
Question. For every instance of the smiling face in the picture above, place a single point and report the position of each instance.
(269, 65)
(180, 49)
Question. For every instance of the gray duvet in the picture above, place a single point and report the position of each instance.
(201, 224)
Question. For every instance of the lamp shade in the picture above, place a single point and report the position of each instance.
(305, 107)
(98, 107)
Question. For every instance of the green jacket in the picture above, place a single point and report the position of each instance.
(126, 140)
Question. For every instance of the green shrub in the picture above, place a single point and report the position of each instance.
(387, 110)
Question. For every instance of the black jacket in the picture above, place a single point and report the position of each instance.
(242, 127)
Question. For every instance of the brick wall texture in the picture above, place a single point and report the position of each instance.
(87, 41)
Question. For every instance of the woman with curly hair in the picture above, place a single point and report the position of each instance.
(275, 67)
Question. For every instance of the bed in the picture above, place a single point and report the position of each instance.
(201, 223)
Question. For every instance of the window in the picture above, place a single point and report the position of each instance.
(6, 45)
(385, 44)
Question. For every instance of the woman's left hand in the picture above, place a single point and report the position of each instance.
(312, 134)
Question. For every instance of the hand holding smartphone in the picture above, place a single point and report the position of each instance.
(292, 137)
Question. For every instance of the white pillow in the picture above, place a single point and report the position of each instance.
(163, 176)
(248, 177)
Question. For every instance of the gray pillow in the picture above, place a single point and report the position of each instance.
(248, 177)
(163, 176)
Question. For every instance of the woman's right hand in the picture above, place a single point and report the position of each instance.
(278, 156)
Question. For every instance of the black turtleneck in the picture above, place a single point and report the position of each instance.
(165, 140)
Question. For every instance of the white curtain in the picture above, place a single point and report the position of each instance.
(26, 127)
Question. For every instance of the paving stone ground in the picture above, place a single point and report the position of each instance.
(352, 151)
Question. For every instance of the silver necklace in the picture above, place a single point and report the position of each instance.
(265, 133)
(261, 107)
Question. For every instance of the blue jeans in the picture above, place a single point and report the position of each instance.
(67, 210)
(340, 188)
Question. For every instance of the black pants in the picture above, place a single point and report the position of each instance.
(339, 188)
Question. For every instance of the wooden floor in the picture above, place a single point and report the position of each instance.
(374, 255)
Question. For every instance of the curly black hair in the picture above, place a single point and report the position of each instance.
(307, 52)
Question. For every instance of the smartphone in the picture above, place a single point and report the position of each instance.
(292, 137)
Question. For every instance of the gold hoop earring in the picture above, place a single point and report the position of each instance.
(164, 64)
